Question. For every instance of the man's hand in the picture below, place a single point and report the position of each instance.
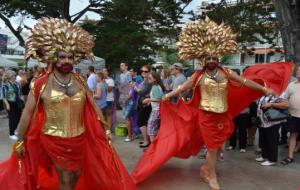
(165, 98)
(269, 91)
(266, 105)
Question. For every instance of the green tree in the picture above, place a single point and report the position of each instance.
(39, 8)
(253, 21)
(288, 15)
(133, 31)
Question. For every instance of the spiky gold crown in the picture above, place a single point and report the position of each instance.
(51, 35)
(203, 38)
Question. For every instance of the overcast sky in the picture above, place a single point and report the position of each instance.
(78, 5)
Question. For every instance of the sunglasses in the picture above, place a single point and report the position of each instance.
(143, 71)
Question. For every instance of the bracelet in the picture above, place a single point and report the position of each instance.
(19, 146)
(165, 97)
(244, 82)
(178, 89)
(108, 132)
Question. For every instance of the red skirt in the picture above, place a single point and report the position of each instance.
(66, 153)
(214, 128)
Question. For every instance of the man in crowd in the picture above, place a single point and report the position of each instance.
(292, 94)
(92, 79)
(178, 79)
(124, 86)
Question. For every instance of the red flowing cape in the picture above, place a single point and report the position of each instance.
(102, 168)
(179, 133)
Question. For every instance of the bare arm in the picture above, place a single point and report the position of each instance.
(283, 104)
(98, 93)
(6, 104)
(26, 116)
(251, 84)
(187, 85)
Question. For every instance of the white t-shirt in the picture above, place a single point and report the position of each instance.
(92, 82)
(18, 79)
(110, 95)
(292, 94)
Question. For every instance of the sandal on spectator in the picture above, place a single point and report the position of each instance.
(287, 161)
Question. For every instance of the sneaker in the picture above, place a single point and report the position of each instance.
(127, 139)
(268, 163)
(13, 137)
(221, 157)
(242, 150)
(260, 159)
(230, 148)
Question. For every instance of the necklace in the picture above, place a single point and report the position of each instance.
(61, 84)
(214, 76)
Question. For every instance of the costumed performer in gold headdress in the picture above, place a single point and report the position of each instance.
(62, 141)
(207, 118)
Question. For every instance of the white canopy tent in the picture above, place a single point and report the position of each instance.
(7, 63)
(99, 64)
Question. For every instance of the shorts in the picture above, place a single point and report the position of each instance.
(143, 115)
(293, 124)
(109, 105)
(153, 123)
(128, 110)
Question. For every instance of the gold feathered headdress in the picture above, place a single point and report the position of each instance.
(203, 38)
(51, 35)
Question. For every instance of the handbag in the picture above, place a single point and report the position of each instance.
(273, 114)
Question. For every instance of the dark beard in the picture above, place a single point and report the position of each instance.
(65, 68)
(211, 65)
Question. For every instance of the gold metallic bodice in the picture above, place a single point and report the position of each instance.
(64, 114)
(213, 95)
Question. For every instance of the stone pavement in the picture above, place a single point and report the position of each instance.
(239, 171)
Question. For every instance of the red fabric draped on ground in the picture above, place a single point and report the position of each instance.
(102, 168)
(180, 134)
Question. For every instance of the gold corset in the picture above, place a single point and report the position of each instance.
(64, 114)
(213, 95)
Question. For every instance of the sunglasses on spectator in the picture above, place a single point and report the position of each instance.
(143, 71)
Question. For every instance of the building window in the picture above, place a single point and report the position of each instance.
(260, 58)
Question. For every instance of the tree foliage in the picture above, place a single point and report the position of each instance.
(39, 8)
(129, 30)
(253, 21)
(133, 31)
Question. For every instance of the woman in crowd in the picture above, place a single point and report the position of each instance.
(268, 131)
(13, 101)
(101, 92)
(166, 79)
(144, 110)
(156, 94)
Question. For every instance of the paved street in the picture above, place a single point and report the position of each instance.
(238, 171)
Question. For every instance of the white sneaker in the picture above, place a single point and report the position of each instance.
(230, 148)
(242, 150)
(13, 137)
(127, 139)
(268, 163)
(260, 159)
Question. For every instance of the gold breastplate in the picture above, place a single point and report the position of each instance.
(64, 114)
(213, 95)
